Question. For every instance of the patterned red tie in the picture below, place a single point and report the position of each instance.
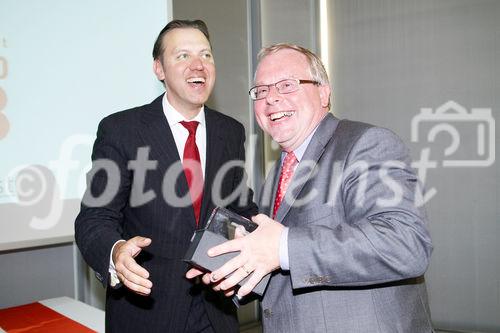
(192, 168)
(286, 175)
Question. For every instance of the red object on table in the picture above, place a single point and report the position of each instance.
(35, 317)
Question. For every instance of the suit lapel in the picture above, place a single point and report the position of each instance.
(308, 164)
(159, 135)
(215, 150)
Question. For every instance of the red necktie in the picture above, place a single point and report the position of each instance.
(286, 175)
(192, 168)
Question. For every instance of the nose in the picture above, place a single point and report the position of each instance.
(273, 96)
(196, 64)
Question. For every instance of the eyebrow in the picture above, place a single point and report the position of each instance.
(283, 78)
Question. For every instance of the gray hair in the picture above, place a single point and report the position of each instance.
(316, 68)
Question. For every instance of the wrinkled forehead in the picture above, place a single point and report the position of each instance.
(280, 65)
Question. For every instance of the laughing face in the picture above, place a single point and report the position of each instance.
(187, 68)
(289, 118)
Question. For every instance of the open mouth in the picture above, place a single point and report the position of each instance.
(196, 81)
(280, 115)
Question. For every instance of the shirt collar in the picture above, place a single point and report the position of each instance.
(174, 117)
(300, 150)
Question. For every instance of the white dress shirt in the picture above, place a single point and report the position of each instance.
(181, 134)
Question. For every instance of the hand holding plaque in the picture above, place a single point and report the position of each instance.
(220, 228)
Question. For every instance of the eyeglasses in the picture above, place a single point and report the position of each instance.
(283, 87)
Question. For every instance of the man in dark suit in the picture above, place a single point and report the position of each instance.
(152, 184)
(343, 236)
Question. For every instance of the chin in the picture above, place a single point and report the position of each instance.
(279, 139)
(280, 135)
(199, 101)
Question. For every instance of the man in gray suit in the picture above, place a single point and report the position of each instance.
(343, 237)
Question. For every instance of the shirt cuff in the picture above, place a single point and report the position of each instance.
(114, 282)
(283, 252)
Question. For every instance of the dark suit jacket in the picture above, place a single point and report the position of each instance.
(356, 255)
(119, 137)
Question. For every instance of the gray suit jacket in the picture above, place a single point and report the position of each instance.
(358, 245)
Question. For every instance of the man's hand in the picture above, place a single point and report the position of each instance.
(132, 275)
(259, 254)
(194, 272)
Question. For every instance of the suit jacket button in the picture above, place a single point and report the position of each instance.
(267, 313)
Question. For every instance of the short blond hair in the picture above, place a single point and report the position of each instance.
(316, 68)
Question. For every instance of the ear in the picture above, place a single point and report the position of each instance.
(158, 69)
(324, 95)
